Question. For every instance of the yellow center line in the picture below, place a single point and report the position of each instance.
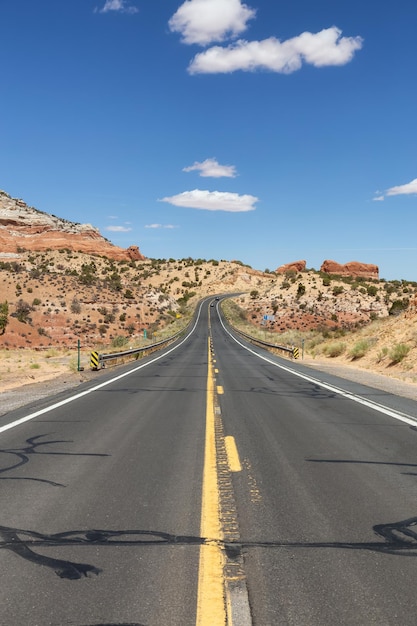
(210, 595)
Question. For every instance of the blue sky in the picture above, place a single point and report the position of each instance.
(266, 132)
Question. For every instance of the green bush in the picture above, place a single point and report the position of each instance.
(119, 342)
(398, 306)
(398, 352)
(301, 289)
(4, 316)
(359, 349)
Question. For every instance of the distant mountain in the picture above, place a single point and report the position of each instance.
(25, 228)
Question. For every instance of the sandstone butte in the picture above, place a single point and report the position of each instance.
(23, 227)
(295, 266)
(353, 268)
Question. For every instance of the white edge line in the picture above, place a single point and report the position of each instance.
(57, 405)
(403, 417)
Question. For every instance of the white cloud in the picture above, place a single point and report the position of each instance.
(204, 21)
(118, 5)
(118, 229)
(211, 168)
(324, 48)
(378, 199)
(160, 226)
(213, 201)
(409, 188)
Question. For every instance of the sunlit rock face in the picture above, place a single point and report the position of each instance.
(23, 227)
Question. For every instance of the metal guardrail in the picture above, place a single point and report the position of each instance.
(98, 361)
(294, 352)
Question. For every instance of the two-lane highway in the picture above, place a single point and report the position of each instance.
(209, 483)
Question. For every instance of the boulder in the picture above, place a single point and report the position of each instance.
(295, 266)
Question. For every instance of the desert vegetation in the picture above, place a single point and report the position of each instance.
(55, 299)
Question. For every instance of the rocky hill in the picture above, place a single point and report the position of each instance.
(24, 228)
(56, 297)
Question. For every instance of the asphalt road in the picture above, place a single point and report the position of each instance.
(101, 500)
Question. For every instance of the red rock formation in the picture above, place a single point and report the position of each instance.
(22, 226)
(353, 268)
(295, 266)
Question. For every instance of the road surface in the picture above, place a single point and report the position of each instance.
(210, 483)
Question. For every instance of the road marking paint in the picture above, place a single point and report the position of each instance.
(210, 596)
(220, 390)
(232, 454)
(57, 405)
(402, 417)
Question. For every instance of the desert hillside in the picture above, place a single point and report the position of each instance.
(53, 299)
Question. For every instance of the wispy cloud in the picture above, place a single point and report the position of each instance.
(408, 189)
(205, 21)
(325, 48)
(211, 168)
(118, 229)
(156, 226)
(400, 190)
(213, 201)
(119, 6)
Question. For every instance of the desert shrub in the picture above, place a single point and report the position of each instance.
(75, 306)
(382, 354)
(398, 352)
(334, 349)
(398, 306)
(4, 316)
(119, 342)
(301, 289)
(337, 290)
(359, 349)
(23, 309)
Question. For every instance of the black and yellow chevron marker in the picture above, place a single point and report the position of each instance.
(295, 353)
(94, 360)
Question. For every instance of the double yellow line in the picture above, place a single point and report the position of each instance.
(214, 598)
(211, 609)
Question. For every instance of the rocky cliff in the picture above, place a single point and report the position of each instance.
(23, 227)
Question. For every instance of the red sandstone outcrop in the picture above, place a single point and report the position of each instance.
(22, 226)
(295, 266)
(353, 268)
